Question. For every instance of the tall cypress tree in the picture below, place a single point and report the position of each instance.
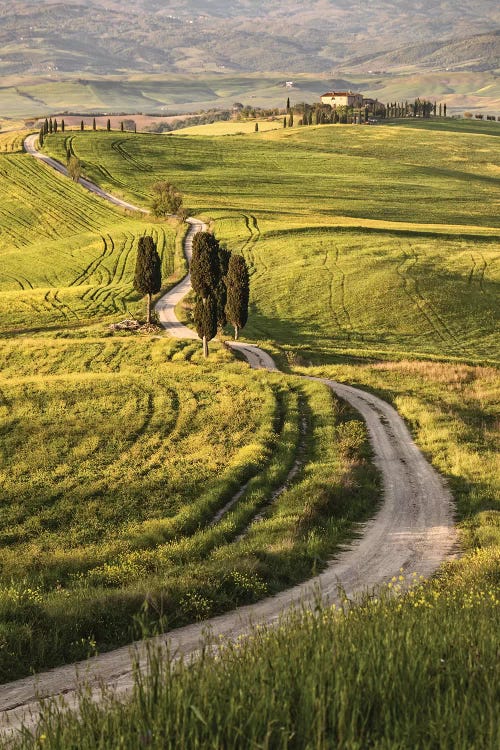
(108, 125)
(46, 127)
(40, 137)
(205, 278)
(121, 127)
(147, 278)
(50, 126)
(55, 126)
(93, 124)
(444, 109)
(82, 126)
(62, 125)
(238, 293)
(221, 290)
(205, 320)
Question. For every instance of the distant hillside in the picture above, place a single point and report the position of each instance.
(476, 53)
(106, 37)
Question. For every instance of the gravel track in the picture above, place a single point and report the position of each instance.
(413, 530)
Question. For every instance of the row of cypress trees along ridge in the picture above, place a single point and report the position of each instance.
(221, 283)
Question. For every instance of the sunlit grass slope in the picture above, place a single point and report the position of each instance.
(388, 237)
(66, 257)
(119, 459)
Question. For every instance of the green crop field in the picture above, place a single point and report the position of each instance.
(408, 219)
(67, 258)
(374, 259)
(117, 455)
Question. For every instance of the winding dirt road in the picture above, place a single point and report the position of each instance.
(412, 530)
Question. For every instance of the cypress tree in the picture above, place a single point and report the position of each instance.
(221, 291)
(147, 278)
(121, 127)
(205, 277)
(288, 104)
(284, 122)
(256, 127)
(51, 127)
(238, 293)
(46, 127)
(444, 109)
(290, 120)
(108, 125)
(205, 320)
(93, 124)
(82, 126)
(40, 137)
(135, 128)
(62, 126)
(55, 126)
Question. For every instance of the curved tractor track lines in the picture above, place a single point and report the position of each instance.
(412, 529)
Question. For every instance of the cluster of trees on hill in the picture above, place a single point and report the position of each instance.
(221, 283)
(219, 279)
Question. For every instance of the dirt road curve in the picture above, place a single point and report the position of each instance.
(166, 306)
(412, 530)
(29, 147)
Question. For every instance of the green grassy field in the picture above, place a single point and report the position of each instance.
(67, 258)
(116, 457)
(407, 219)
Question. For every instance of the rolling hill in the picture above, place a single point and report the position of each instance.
(101, 37)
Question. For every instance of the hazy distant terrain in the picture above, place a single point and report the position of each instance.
(185, 55)
(105, 37)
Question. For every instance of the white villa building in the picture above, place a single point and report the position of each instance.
(342, 99)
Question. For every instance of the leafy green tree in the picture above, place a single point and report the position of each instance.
(166, 199)
(238, 293)
(147, 277)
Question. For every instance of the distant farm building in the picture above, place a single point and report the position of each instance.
(342, 99)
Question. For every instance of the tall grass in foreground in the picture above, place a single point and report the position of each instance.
(336, 678)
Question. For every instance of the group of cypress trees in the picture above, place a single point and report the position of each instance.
(221, 283)
(219, 279)
(49, 126)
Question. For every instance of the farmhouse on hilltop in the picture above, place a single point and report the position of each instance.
(342, 99)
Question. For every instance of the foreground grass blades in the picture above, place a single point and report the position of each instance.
(333, 678)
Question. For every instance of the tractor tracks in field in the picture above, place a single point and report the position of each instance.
(412, 531)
